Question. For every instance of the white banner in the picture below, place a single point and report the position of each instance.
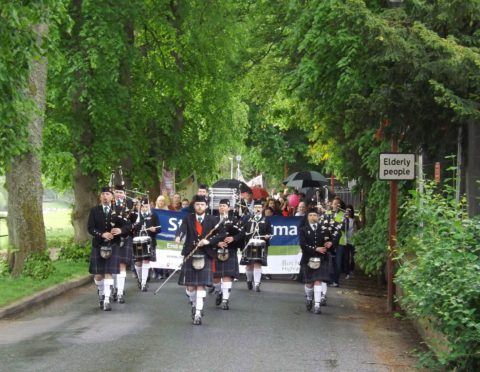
(277, 264)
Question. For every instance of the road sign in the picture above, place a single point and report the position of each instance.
(396, 167)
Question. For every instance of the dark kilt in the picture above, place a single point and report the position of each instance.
(246, 261)
(190, 276)
(322, 273)
(99, 265)
(126, 255)
(228, 267)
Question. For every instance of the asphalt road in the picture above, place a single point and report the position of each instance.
(267, 331)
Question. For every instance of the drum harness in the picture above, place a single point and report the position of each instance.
(254, 229)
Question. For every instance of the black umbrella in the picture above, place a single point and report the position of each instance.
(300, 180)
(314, 194)
(232, 184)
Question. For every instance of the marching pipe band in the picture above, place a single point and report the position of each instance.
(124, 230)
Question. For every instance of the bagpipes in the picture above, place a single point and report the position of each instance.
(187, 257)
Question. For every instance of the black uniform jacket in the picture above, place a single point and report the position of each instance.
(98, 223)
(230, 226)
(254, 228)
(209, 222)
(311, 239)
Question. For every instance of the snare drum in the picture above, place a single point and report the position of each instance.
(255, 249)
(142, 247)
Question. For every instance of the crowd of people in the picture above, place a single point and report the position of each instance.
(124, 232)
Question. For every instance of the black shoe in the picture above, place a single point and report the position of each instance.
(107, 306)
(218, 300)
(250, 285)
(144, 288)
(115, 294)
(197, 320)
(317, 310)
(257, 287)
(309, 304)
(225, 305)
(101, 299)
(121, 299)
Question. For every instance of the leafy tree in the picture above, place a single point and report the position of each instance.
(23, 71)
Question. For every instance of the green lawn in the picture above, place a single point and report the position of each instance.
(57, 217)
(57, 226)
(14, 289)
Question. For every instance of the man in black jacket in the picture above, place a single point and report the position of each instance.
(226, 261)
(315, 264)
(106, 229)
(198, 229)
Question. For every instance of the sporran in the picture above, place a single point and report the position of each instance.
(198, 261)
(314, 263)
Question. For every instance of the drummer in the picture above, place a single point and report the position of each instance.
(226, 261)
(315, 242)
(258, 230)
(144, 251)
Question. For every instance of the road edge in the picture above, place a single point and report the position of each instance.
(43, 296)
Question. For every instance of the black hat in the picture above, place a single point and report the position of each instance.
(312, 210)
(106, 189)
(225, 201)
(257, 202)
(119, 187)
(145, 201)
(199, 199)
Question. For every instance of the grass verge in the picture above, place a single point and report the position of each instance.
(12, 290)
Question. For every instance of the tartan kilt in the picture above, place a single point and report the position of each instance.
(99, 265)
(322, 273)
(126, 254)
(153, 255)
(228, 267)
(191, 277)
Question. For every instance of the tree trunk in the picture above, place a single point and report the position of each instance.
(26, 229)
(86, 196)
(473, 169)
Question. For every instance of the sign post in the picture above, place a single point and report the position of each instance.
(394, 167)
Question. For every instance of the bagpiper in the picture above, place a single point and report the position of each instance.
(316, 265)
(107, 231)
(123, 208)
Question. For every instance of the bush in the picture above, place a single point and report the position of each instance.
(4, 268)
(371, 242)
(38, 266)
(70, 251)
(439, 273)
